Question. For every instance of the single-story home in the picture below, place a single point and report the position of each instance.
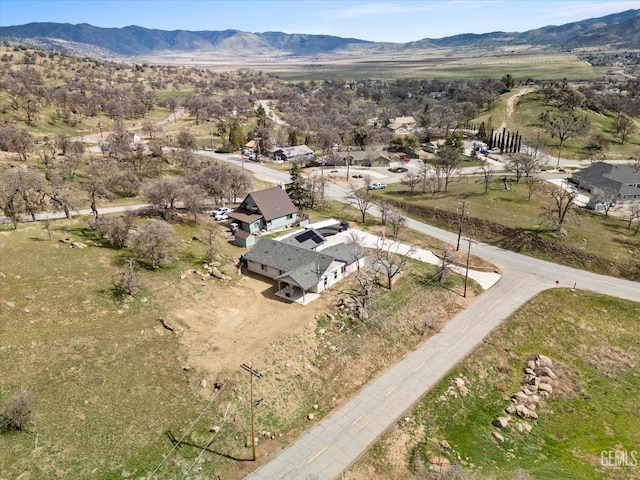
(402, 125)
(602, 176)
(264, 210)
(363, 158)
(298, 153)
(299, 264)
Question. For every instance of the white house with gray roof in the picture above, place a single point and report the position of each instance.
(302, 268)
(602, 176)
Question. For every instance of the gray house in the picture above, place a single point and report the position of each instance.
(263, 211)
(602, 176)
(301, 266)
(298, 153)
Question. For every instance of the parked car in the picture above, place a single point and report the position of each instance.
(220, 211)
(377, 186)
(221, 217)
(398, 169)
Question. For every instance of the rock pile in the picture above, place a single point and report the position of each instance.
(457, 388)
(537, 382)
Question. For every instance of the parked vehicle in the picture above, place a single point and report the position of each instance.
(220, 211)
(377, 186)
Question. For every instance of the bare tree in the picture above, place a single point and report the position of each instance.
(17, 411)
(446, 166)
(150, 128)
(155, 241)
(22, 191)
(115, 229)
(532, 183)
(411, 180)
(211, 229)
(72, 160)
(361, 199)
(607, 197)
(562, 200)
(96, 185)
(565, 126)
(623, 126)
(425, 173)
(397, 221)
(487, 172)
(60, 193)
(634, 215)
(388, 261)
(523, 164)
(18, 140)
(193, 197)
(163, 194)
(126, 281)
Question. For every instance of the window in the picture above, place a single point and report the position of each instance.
(335, 275)
(264, 267)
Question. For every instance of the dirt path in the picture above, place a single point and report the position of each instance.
(511, 102)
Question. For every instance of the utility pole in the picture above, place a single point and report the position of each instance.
(347, 160)
(252, 373)
(466, 275)
(463, 215)
(211, 133)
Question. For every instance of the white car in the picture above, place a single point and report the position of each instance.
(220, 211)
(377, 186)
(219, 218)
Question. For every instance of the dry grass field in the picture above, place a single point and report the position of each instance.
(520, 62)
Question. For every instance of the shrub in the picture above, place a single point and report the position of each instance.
(16, 412)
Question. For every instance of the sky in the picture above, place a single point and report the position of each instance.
(381, 21)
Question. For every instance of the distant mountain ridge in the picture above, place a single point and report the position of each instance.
(619, 30)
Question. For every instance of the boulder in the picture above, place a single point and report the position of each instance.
(543, 361)
(511, 409)
(524, 412)
(545, 387)
(445, 444)
(497, 436)
(458, 382)
(546, 372)
(501, 422)
(519, 397)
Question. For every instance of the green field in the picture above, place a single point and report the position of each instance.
(588, 234)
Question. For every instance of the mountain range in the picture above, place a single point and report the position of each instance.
(616, 31)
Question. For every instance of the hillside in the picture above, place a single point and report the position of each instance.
(618, 30)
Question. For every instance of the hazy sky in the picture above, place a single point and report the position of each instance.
(387, 20)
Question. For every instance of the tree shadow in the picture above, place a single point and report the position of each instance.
(178, 444)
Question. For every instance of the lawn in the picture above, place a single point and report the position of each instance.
(591, 340)
(589, 235)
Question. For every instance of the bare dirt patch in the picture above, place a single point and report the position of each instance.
(227, 325)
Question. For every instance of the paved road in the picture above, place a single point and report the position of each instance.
(331, 446)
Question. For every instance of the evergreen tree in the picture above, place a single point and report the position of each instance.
(297, 188)
(482, 132)
(235, 135)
